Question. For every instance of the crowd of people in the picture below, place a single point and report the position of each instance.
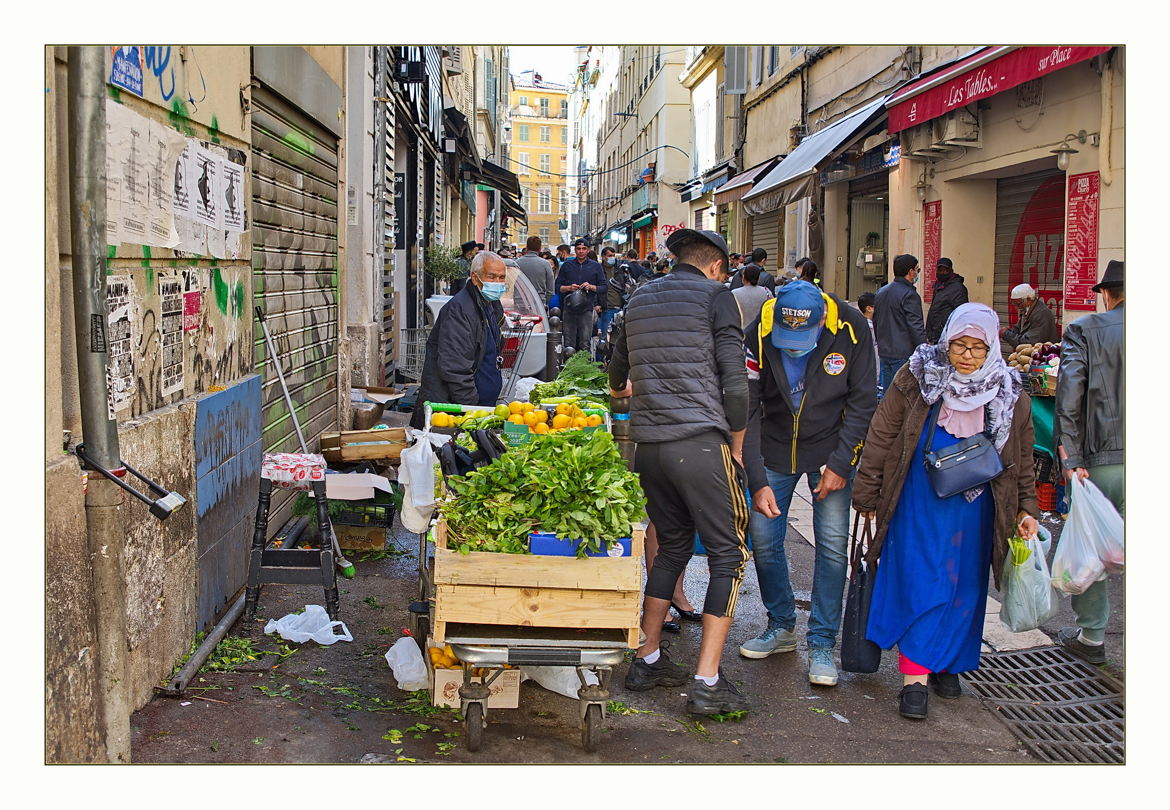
(743, 382)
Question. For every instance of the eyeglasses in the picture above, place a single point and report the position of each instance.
(960, 349)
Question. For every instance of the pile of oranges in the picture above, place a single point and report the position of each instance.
(538, 420)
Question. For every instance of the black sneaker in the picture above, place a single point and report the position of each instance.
(1069, 638)
(717, 699)
(663, 672)
(912, 701)
(945, 684)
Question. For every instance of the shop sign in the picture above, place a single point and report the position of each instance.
(931, 245)
(127, 67)
(1038, 248)
(1080, 260)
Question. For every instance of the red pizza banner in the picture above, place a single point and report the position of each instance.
(1080, 253)
(1037, 256)
(931, 245)
(976, 77)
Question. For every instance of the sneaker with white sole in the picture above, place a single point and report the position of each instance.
(821, 670)
(773, 640)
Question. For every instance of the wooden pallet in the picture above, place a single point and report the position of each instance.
(529, 590)
(349, 445)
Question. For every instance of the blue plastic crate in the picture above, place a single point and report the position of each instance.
(549, 544)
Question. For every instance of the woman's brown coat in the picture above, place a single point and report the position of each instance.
(889, 451)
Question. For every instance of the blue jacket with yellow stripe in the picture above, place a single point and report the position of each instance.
(839, 399)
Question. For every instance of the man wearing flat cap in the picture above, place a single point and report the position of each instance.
(680, 356)
(1090, 432)
(949, 294)
(1036, 322)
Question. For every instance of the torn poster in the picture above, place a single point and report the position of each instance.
(165, 148)
(120, 362)
(113, 184)
(170, 332)
(192, 300)
(233, 196)
(129, 145)
(206, 177)
(182, 197)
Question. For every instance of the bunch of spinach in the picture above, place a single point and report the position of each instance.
(580, 377)
(574, 484)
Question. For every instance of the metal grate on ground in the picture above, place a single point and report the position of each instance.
(1061, 708)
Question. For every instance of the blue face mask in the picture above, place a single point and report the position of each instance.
(796, 352)
(610, 260)
(493, 290)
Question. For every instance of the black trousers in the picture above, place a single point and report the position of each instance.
(695, 485)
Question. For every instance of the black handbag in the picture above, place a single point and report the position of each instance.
(858, 653)
(964, 465)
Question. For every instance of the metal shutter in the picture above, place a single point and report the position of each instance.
(766, 234)
(1029, 239)
(384, 205)
(294, 262)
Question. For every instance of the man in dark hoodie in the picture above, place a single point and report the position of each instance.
(949, 293)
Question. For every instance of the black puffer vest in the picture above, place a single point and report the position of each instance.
(672, 359)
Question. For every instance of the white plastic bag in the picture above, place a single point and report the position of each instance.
(562, 680)
(312, 624)
(407, 664)
(1028, 597)
(1091, 542)
(416, 474)
(524, 387)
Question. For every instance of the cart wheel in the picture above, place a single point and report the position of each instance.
(591, 728)
(474, 726)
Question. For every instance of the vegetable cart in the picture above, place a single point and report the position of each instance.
(534, 609)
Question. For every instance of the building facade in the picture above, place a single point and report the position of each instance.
(539, 113)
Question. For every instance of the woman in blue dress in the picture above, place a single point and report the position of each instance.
(933, 554)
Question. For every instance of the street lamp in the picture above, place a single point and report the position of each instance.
(1063, 151)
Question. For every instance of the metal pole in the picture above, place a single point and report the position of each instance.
(106, 534)
(178, 684)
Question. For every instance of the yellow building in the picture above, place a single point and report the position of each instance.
(539, 156)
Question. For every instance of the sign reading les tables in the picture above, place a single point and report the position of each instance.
(962, 85)
(931, 245)
(1080, 252)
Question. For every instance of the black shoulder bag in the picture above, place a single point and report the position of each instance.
(964, 465)
(858, 653)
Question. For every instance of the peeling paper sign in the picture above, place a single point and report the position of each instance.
(192, 300)
(120, 368)
(182, 197)
(140, 166)
(206, 177)
(233, 195)
(170, 332)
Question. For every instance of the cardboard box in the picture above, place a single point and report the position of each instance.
(360, 538)
(445, 685)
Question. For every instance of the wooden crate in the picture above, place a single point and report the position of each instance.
(529, 590)
(348, 445)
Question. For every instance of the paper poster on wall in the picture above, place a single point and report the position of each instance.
(192, 300)
(120, 364)
(232, 183)
(128, 142)
(206, 178)
(170, 332)
(1080, 253)
(182, 192)
(931, 246)
(165, 148)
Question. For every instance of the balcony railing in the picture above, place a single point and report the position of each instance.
(534, 112)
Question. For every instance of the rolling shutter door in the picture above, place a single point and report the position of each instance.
(384, 164)
(766, 235)
(294, 261)
(1029, 239)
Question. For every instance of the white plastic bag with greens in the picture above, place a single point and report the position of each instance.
(1028, 597)
(416, 474)
(1092, 541)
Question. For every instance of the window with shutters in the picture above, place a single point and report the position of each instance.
(545, 201)
(564, 108)
(546, 134)
(544, 164)
(522, 134)
(524, 163)
(699, 220)
(773, 58)
(523, 101)
(757, 65)
(564, 134)
(544, 234)
(544, 108)
(564, 194)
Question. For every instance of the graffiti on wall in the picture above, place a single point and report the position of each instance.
(663, 233)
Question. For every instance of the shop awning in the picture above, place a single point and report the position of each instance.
(455, 126)
(642, 221)
(795, 176)
(741, 183)
(512, 208)
(986, 73)
(497, 177)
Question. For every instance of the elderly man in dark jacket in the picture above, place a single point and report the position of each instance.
(949, 294)
(462, 361)
(1036, 324)
(1090, 428)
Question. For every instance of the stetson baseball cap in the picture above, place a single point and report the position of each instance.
(796, 320)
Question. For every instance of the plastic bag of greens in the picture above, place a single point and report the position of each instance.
(1091, 542)
(1028, 597)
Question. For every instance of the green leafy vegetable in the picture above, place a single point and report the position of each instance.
(580, 377)
(574, 484)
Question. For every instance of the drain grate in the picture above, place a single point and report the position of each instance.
(1063, 709)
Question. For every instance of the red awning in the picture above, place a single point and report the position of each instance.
(984, 74)
(741, 184)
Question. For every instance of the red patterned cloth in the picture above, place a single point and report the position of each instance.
(293, 470)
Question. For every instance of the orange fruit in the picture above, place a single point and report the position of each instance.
(593, 420)
(515, 407)
(578, 422)
(516, 419)
(541, 415)
(562, 408)
(540, 428)
(561, 421)
(527, 407)
(530, 418)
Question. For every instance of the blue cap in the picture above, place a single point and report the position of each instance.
(796, 320)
